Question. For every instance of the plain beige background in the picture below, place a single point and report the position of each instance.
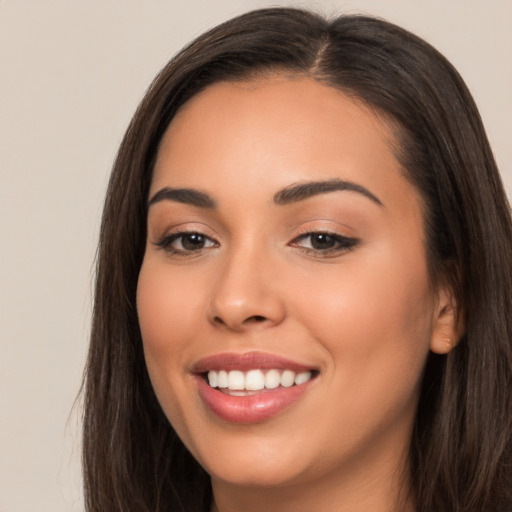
(71, 75)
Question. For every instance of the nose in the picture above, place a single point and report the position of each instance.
(245, 295)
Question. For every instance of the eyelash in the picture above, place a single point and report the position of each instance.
(341, 243)
(166, 243)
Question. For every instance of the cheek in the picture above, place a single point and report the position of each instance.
(167, 311)
(167, 308)
(374, 317)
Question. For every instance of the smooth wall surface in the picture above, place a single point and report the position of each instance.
(71, 75)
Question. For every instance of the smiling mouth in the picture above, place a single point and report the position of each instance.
(246, 383)
(251, 387)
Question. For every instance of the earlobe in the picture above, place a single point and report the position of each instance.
(447, 323)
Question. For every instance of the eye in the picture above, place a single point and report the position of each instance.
(323, 243)
(185, 243)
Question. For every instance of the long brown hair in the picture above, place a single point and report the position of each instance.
(461, 450)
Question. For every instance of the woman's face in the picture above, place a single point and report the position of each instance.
(285, 259)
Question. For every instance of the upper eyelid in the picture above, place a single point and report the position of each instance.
(338, 231)
(304, 233)
(184, 228)
(166, 244)
(350, 241)
(177, 234)
(336, 236)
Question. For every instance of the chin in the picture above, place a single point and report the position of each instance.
(246, 473)
(253, 459)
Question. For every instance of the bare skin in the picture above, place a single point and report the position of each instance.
(333, 277)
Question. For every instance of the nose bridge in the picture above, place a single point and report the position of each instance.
(245, 294)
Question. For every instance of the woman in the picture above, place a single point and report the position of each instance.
(303, 282)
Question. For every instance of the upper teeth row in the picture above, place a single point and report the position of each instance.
(254, 380)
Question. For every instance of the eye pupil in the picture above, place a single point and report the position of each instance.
(193, 241)
(322, 241)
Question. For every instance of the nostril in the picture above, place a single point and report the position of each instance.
(250, 320)
(256, 318)
(218, 320)
(240, 322)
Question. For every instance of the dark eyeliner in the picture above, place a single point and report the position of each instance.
(342, 244)
(166, 241)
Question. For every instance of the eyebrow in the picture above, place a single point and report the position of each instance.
(302, 191)
(291, 194)
(183, 195)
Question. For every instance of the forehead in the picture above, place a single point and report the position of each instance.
(303, 105)
(273, 132)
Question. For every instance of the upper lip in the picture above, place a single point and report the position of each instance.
(248, 361)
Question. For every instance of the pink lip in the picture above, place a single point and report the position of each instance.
(248, 361)
(253, 408)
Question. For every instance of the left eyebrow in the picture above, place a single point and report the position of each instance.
(183, 195)
(302, 191)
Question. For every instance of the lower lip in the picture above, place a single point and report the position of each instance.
(251, 408)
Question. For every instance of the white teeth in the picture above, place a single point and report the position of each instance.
(222, 379)
(213, 379)
(256, 380)
(300, 378)
(236, 380)
(272, 379)
(287, 378)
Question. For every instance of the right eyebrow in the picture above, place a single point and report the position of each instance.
(183, 195)
(301, 191)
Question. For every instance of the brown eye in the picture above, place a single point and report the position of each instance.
(322, 241)
(324, 244)
(185, 243)
(192, 241)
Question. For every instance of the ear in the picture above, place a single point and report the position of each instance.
(447, 322)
